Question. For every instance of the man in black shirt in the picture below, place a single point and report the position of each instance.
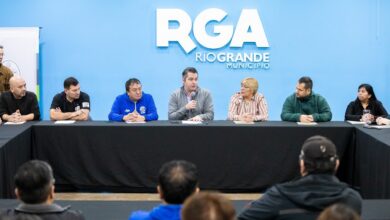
(18, 105)
(71, 104)
(34, 183)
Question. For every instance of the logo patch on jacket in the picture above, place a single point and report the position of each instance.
(142, 109)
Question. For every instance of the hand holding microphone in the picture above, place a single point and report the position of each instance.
(192, 104)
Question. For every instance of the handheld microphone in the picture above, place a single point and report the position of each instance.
(193, 94)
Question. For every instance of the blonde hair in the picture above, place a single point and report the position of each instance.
(251, 83)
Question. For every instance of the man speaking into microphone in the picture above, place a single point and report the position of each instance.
(190, 102)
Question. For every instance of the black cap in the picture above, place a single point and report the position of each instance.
(318, 148)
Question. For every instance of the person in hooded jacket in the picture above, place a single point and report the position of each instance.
(315, 190)
(177, 180)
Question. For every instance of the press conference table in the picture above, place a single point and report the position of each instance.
(118, 157)
(15, 149)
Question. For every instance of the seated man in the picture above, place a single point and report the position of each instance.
(5, 73)
(18, 105)
(248, 105)
(306, 197)
(305, 105)
(177, 181)
(71, 104)
(190, 102)
(208, 206)
(134, 105)
(35, 188)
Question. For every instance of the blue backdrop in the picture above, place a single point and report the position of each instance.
(340, 44)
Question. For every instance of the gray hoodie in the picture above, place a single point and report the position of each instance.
(178, 101)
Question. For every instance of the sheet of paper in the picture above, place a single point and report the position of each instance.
(243, 122)
(191, 122)
(64, 122)
(14, 123)
(356, 122)
(135, 122)
(380, 126)
(307, 123)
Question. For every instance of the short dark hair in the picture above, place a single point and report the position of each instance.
(307, 81)
(70, 81)
(177, 179)
(208, 206)
(33, 181)
(369, 89)
(1, 46)
(188, 69)
(338, 212)
(319, 155)
(131, 82)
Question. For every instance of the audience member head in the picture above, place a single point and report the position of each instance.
(304, 87)
(34, 182)
(318, 156)
(208, 206)
(177, 180)
(338, 212)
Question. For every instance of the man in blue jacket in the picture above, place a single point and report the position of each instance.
(134, 105)
(177, 180)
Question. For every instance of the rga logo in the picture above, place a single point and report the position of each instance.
(248, 29)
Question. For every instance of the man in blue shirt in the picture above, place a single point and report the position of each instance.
(134, 105)
(177, 180)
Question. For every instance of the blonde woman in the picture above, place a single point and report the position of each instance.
(248, 105)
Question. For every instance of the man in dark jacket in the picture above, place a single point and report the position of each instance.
(305, 105)
(306, 197)
(35, 188)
